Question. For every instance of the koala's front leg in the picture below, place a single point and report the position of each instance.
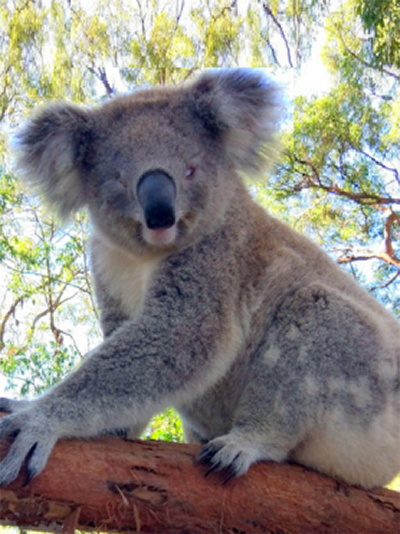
(140, 369)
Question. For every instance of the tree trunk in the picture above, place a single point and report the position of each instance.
(154, 487)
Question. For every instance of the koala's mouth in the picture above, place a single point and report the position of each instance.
(160, 236)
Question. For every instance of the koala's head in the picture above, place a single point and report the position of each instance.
(157, 168)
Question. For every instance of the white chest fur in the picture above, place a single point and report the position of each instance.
(126, 277)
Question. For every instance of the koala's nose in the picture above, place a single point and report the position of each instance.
(156, 193)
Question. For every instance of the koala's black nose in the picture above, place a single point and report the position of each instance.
(156, 193)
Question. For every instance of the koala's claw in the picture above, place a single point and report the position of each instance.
(206, 454)
(230, 454)
(214, 467)
(231, 473)
(33, 441)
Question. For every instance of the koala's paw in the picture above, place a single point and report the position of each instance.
(34, 439)
(231, 454)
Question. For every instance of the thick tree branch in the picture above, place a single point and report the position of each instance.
(363, 255)
(388, 255)
(154, 487)
(313, 181)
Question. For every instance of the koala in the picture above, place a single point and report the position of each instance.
(267, 350)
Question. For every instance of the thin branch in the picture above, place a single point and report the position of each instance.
(378, 163)
(35, 321)
(386, 284)
(6, 317)
(188, 74)
(101, 75)
(46, 280)
(179, 15)
(314, 182)
(270, 14)
(272, 50)
(142, 19)
(223, 10)
(73, 340)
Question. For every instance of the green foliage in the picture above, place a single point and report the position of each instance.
(339, 173)
(166, 426)
(218, 32)
(35, 372)
(395, 484)
(381, 18)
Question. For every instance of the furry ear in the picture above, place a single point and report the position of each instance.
(243, 106)
(50, 150)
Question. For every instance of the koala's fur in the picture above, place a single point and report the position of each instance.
(264, 346)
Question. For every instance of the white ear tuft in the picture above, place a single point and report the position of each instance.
(244, 106)
(49, 152)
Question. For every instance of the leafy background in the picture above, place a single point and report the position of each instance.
(337, 179)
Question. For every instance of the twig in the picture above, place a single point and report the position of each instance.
(269, 12)
(6, 317)
(386, 284)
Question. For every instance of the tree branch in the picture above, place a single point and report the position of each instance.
(7, 315)
(388, 255)
(386, 284)
(270, 14)
(315, 182)
(368, 255)
(378, 163)
(101, 75)
(154, 487)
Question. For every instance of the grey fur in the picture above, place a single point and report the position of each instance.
(264, 346)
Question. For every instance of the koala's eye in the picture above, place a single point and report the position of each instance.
(190, 172)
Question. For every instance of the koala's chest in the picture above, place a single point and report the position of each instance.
(125, 278)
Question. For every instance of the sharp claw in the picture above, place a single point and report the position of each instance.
(31, 451)
(30, 475)
(232, 471)
(231, 475)
(206, 454)
(214, 467)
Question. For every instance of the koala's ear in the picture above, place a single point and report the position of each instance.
(244, 106)
(49, 152)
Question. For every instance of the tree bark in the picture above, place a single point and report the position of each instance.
(155, 487)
